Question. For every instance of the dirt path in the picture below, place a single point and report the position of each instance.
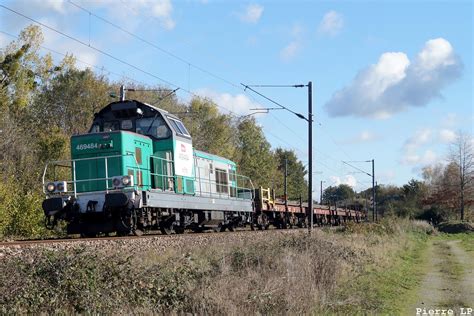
(449, 279)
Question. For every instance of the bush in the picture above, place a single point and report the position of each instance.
(434, 215)
(268, 273)
(455, 227)
(20, 212)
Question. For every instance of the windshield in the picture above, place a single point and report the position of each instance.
(111, 126)
(178, 127)
(159, 129)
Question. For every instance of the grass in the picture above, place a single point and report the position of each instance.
(385, 290)
(467, 240)
(452, 268)
(360, 269)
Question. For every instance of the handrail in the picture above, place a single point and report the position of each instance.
(201, 181)
(60, 163)
(233, 185)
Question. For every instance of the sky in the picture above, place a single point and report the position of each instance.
(392, 80)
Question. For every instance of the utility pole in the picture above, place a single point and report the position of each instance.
(376, 213)
(286, 185)
(321, 194)
(122, 93)
(374, 210)
(373, 190)
(309, 119)
(310, 154)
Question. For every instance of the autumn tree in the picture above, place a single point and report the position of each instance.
(462, 156)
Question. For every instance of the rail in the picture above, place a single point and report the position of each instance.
(202, 184)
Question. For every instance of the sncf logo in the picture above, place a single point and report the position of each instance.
(183, 148)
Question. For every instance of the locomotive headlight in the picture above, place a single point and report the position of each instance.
(116, 182)
(126, 180)
(122, 181)
(61, 186)
(50, 187)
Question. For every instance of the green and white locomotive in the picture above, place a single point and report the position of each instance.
(136, 170)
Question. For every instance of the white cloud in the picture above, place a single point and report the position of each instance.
(450, 120)
(239, 104)
(421, 137)
(290, 50)
(331, 24)
(386, 176)
(295, 45)
(161, 10)
(427, 158)
(126, 13)
(350, 180)
(4, 40)
(252, 13)
(394, 83)
(413, 152)
(363, 137)
(447, 135)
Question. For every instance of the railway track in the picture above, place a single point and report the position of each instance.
(209, 234)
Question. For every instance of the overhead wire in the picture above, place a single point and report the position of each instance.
(189, 64)
(164, 51)
(169, 83)
(147, 72)
(100, 68)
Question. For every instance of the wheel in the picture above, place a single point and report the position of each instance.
(179, 230)
(88, 235)
(220, 228)
(138, 232)
(166, 229)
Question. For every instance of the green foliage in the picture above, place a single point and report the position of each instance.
(43, 104)
(20, 211)
(336, 194)
(212, 131)
(70, 101)
(52, 144)
(254, 155)
(297, 185)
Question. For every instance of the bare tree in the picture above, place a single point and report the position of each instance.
(462, 154)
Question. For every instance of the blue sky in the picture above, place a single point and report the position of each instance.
(392, 79)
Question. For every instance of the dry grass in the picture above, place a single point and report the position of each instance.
(271, 274)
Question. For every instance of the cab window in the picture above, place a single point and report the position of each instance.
(111, 126)
(178, 127)
(155, 127)
(126, 124)
(95, 128)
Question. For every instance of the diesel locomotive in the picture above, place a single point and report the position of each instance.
(137, 170)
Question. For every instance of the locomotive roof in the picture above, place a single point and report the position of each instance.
(128, 107)
(209, 156)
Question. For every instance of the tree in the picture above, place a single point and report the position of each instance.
(211, 130)
(297, 185)
(339, 193)
(253, 153)
(462, 156)
(70, 100)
